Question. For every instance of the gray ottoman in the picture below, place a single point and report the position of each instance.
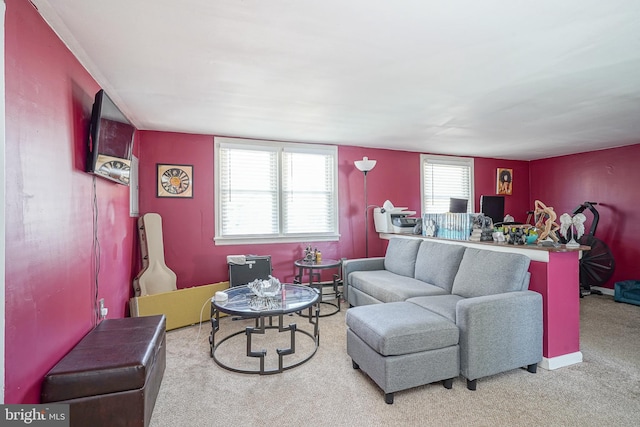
(401, 345)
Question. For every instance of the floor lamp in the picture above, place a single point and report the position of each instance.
(365, 165)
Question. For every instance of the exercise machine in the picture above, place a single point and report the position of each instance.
(596, 264)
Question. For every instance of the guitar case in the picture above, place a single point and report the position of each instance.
(155, 277)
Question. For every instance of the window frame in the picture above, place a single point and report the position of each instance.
(280, 148)
(446, 160)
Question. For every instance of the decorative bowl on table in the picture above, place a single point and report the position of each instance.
(265, 288)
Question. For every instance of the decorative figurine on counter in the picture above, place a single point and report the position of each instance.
(482, 230)
(309, 254)
(545, 222)
(487, 229)
(476, 230)
(567, 225)
(498, 236)
(517, 236)
(429, 228)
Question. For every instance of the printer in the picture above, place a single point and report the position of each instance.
(391, 219)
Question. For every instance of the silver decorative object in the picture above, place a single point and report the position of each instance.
(568, 224)
(264, 303)
(265, 288)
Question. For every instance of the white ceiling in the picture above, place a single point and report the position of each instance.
(510, 79)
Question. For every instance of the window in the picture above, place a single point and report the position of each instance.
(273, 192)
(444, 177)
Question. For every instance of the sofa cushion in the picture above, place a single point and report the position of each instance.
(437, 263)
(386, 286)
(401, 328)
(401, 256)
(485, 272)
(444, 305)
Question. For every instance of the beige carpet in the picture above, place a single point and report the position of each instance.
(604, 390)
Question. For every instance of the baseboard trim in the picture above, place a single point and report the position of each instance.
(605, 291)
(551, 363)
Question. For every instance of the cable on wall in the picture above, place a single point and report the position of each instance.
(95, 252)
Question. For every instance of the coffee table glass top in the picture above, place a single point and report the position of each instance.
(324, 263)
(292, 298)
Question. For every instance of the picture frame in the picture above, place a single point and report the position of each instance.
(504, 181)
(174, 180)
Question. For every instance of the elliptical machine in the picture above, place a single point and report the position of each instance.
(597, 264)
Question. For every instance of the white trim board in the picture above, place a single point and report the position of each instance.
(551, 363)
(605, 291)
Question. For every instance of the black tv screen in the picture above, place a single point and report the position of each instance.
(493, 207)
(110, 141)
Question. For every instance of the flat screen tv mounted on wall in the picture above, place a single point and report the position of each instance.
(110, 141)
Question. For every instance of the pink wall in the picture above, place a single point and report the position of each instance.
(485, 182)
(191, 253)
(608, 177)
(49, 276)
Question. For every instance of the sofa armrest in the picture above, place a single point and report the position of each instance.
(358, 264)
(499, 332)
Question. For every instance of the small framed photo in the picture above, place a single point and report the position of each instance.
(174, 180)
(504, 181)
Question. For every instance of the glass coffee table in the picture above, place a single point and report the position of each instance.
(243, 303)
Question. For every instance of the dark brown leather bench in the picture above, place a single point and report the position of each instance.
(113, 375)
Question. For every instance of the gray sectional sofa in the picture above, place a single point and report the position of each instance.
(425, 299)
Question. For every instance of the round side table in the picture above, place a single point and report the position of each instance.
(313, 271)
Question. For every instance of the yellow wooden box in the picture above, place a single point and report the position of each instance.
(182, 307)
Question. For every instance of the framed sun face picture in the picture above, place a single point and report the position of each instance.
(174, 181)
(504, 181)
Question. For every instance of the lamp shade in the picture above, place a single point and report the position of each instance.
(365, 165)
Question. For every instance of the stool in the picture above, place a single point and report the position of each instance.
(401, 345)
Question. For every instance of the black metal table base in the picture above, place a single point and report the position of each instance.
(335, 294)
(260, 328)
(335, 306)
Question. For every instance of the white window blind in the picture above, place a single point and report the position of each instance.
(444, 177)
(273, 191)
(308, 190)
(248, 193)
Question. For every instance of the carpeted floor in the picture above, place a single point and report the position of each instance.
(604, 390)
